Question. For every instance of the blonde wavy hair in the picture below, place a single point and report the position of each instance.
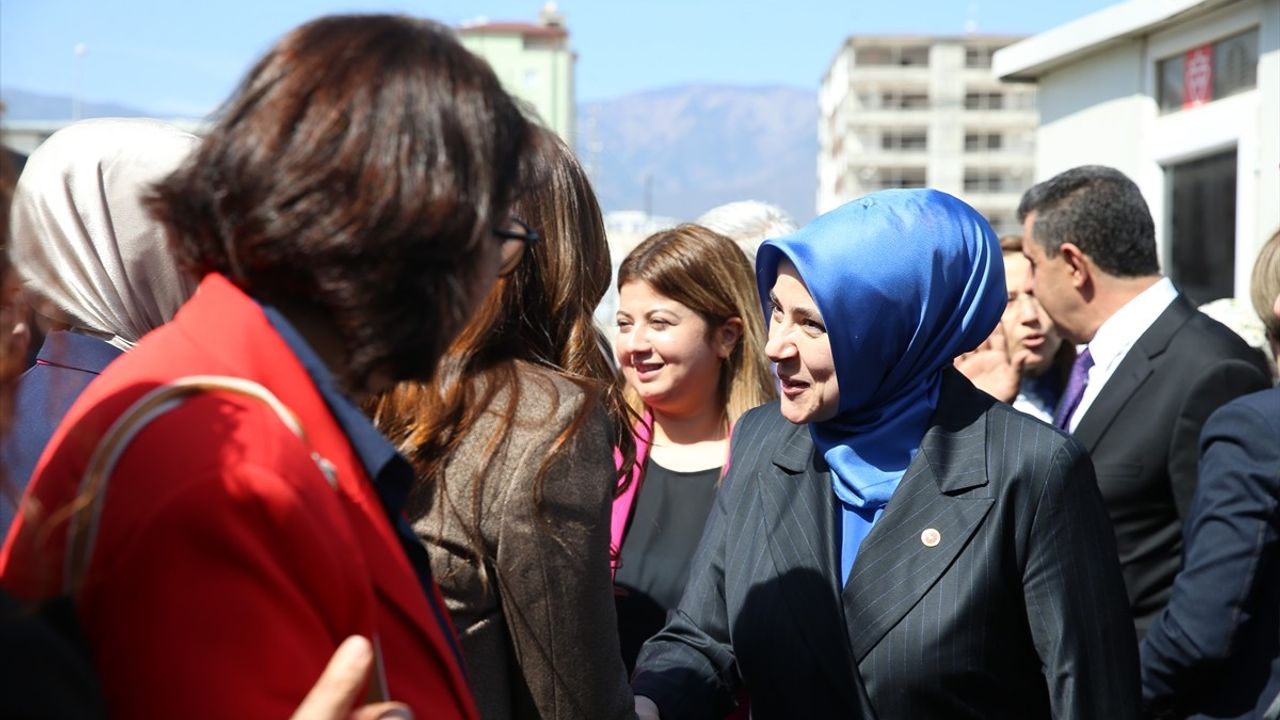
(707, 273)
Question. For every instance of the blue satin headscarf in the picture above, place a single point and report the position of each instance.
(905, 281)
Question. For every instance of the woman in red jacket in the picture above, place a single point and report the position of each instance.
(341, 213)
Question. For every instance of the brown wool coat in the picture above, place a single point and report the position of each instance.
(540, 637)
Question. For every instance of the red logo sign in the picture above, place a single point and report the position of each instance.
(1197, 76)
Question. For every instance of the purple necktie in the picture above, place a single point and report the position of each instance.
(1075, 389)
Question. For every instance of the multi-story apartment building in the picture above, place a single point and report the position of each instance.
(534, 63)
(912, 111)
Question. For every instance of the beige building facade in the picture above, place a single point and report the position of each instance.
(917, 111)
(534, 63)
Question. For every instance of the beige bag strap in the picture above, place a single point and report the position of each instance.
(82, 527)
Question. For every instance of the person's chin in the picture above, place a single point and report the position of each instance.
(795, 412)
(1036, 366)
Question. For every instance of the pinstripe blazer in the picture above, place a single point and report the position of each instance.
(1018, 610)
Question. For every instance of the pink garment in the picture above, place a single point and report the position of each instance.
(625, 503)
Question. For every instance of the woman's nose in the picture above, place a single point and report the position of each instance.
(638, 340)
(1028, 309)
(778, 347)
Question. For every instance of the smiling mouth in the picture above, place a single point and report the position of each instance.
(646, 369)
(792, 388)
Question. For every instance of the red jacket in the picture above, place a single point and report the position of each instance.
(226, 568)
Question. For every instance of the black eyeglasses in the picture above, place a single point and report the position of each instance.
(522, 231)
(516, 235)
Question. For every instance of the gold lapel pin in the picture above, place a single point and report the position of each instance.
(930, 537)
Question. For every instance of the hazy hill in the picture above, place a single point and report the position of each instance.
(24, 105)
(703, 145)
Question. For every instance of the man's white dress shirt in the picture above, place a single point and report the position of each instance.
(1115, 338)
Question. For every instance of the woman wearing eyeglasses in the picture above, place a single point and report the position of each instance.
(512, 452)
(341, 216)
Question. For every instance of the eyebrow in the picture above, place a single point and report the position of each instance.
(808, 313)
(805, 311)
(650, 312)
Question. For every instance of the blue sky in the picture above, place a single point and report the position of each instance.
(183, 58)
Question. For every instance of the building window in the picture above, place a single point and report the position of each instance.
(889, 178)
(1004, 224)
(977, 57)
(1208, 72)
(1025, 100)
(873, 56)
(988, 181)
(894, 100)
(1201, 254)
(983, 142)
(905, 140)
(914, 56)
(983, 101)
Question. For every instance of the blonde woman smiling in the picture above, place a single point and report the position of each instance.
(691, 347)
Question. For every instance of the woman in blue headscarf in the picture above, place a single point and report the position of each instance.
(891, 542)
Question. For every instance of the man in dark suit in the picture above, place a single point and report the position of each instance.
(1152, 369)
(1215, 650)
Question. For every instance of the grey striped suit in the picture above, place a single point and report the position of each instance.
(1018, 611)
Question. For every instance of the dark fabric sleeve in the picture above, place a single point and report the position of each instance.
(1216, 386)
(1233, 529)
(688, 669)
(553, 564)
(1076, 604)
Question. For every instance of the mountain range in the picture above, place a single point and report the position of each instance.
(22, 105)
(698, 146)
(675, 152)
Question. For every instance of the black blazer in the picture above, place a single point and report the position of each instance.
(1215, 650)
(1018, 612)
(1143, 433)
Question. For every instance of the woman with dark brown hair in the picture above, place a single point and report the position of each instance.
(215, 502)
(515, 480)
(691, 346)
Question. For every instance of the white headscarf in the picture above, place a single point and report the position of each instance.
(80, 237)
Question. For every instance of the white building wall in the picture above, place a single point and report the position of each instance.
(946, 118)
(1101, 109)
(1091, 113)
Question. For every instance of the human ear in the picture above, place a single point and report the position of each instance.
(1081, 267)
(727, 337)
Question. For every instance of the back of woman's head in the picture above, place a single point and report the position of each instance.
(356, 170)
(709, 274)
(82, 240)
(541, 313)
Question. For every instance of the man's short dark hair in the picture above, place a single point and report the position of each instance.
(356, 170)
(1101, 211)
